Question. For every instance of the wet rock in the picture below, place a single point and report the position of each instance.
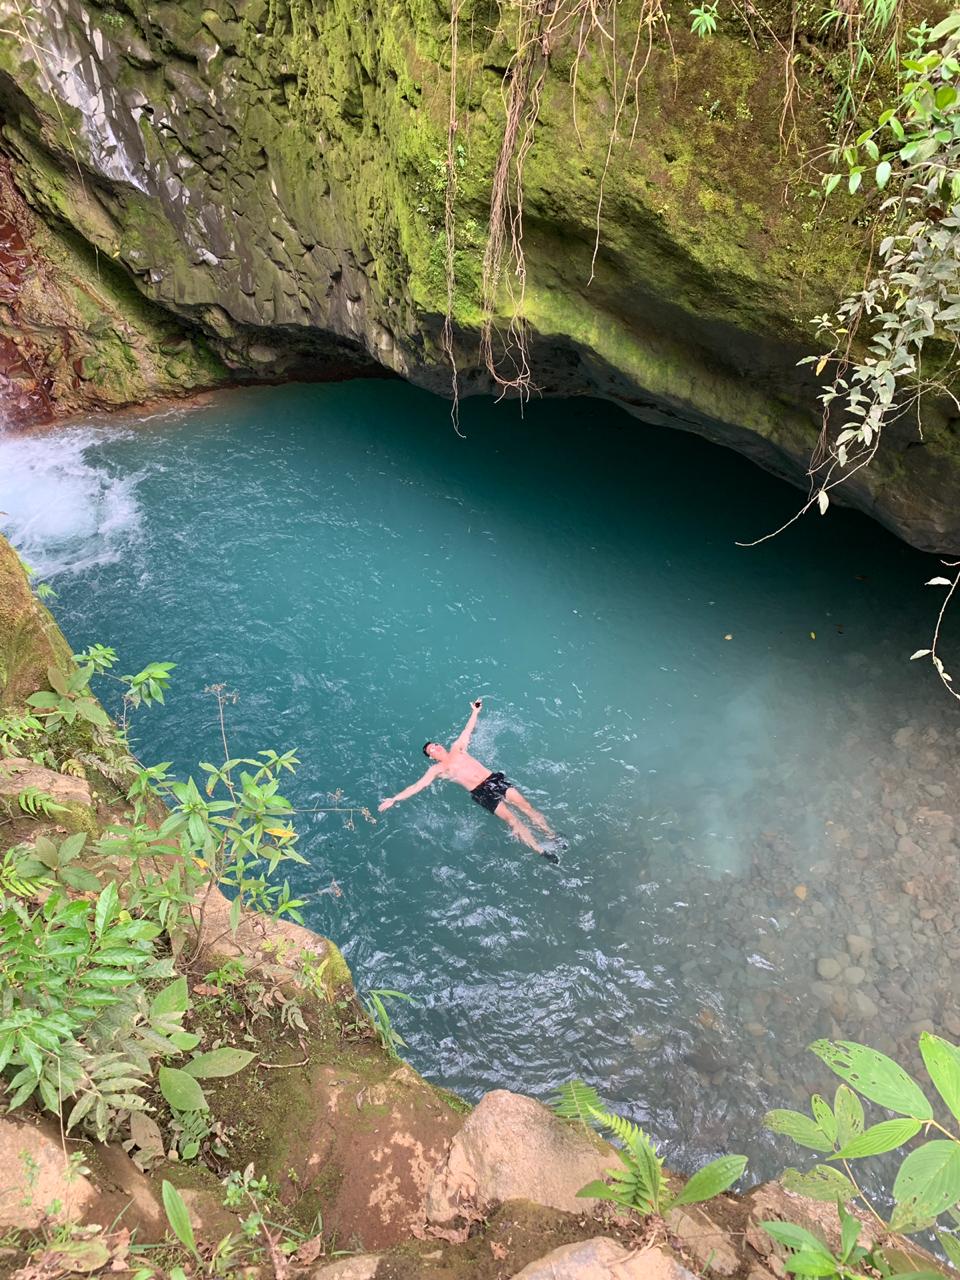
(853, 976)
(604, 1259)
(38, 1182)
(857, 945)
(18, 774)
(864, 1006)
(512, 1148)
(909, 848)
(829, 968)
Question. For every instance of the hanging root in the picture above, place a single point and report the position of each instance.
(449, 223)
(523, 83)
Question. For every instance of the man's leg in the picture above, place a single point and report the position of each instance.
(519, 829)
(513, 796)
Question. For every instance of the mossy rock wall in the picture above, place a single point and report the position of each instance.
(273, 172)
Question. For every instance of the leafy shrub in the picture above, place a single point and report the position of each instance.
(927, 1184)
(640, 1184)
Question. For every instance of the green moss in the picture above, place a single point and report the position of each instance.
(30, 640)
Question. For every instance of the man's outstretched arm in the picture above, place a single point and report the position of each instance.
(463, 741)
(420, 785)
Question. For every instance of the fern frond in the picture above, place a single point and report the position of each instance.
(578, 1102)
(15, 885)
(639, 1155)
(35, 802)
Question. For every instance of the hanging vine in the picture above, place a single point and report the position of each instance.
(913, 295)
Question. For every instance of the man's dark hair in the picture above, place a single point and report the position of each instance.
(425, 745)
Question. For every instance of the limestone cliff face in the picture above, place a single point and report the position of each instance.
(271, 172)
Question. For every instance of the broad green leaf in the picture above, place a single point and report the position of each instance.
(58, 681)
(944, 28)
(822, 1182)
(185, 1040)
(218, 1063)
(598, 1191)
(951, 1246)
(70, 848)
(235, 909)
(107, 905)
(794, 1237)
(823, 1114)
(713, 1178)
(849, 1232)
(178, 1217)
(928, 1182)
(807, 1263)
(883, 173)
(942, 1060)
(180, 1090)
(830, 182)
(876, 1076)
(172, 999)
(886, 1136)
(795, 1125)
(849, 1112)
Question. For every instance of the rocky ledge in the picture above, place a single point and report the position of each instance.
(271, 177)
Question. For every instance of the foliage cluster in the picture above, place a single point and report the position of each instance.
(640, 1184)
(91, 1009)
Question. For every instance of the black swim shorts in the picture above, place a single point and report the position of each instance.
(491, 791)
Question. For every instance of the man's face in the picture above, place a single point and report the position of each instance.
(435, 751)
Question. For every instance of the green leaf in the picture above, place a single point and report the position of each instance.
(807, 1263)
(886, 1136)
(944, 28)
(849, 1232)
(927, 1183)
(942, 1060)
(795, 1125)
(71, 847)
(823, 1114)
(218, 1063)
(853, 183)
(883, 173)
(951, 1246)
(599, 1191)
(830, 182)
(181, 1090)
(822, 1182)
(794, 1237)
(58, 681)
(107, 905)
(575, 1101)
(713, 1178)
(876, 1076)
(849, 1112)
(172, 999)
(178, 1217)
(185, 1040)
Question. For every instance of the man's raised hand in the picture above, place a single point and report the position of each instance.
(477, 704)
(384, 805)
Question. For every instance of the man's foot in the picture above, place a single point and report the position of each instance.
(550, 857)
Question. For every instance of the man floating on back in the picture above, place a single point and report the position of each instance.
(491, 791)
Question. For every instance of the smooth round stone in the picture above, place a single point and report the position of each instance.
(858, 945)
(864, 1006)
(829, 968)
(853, 976)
